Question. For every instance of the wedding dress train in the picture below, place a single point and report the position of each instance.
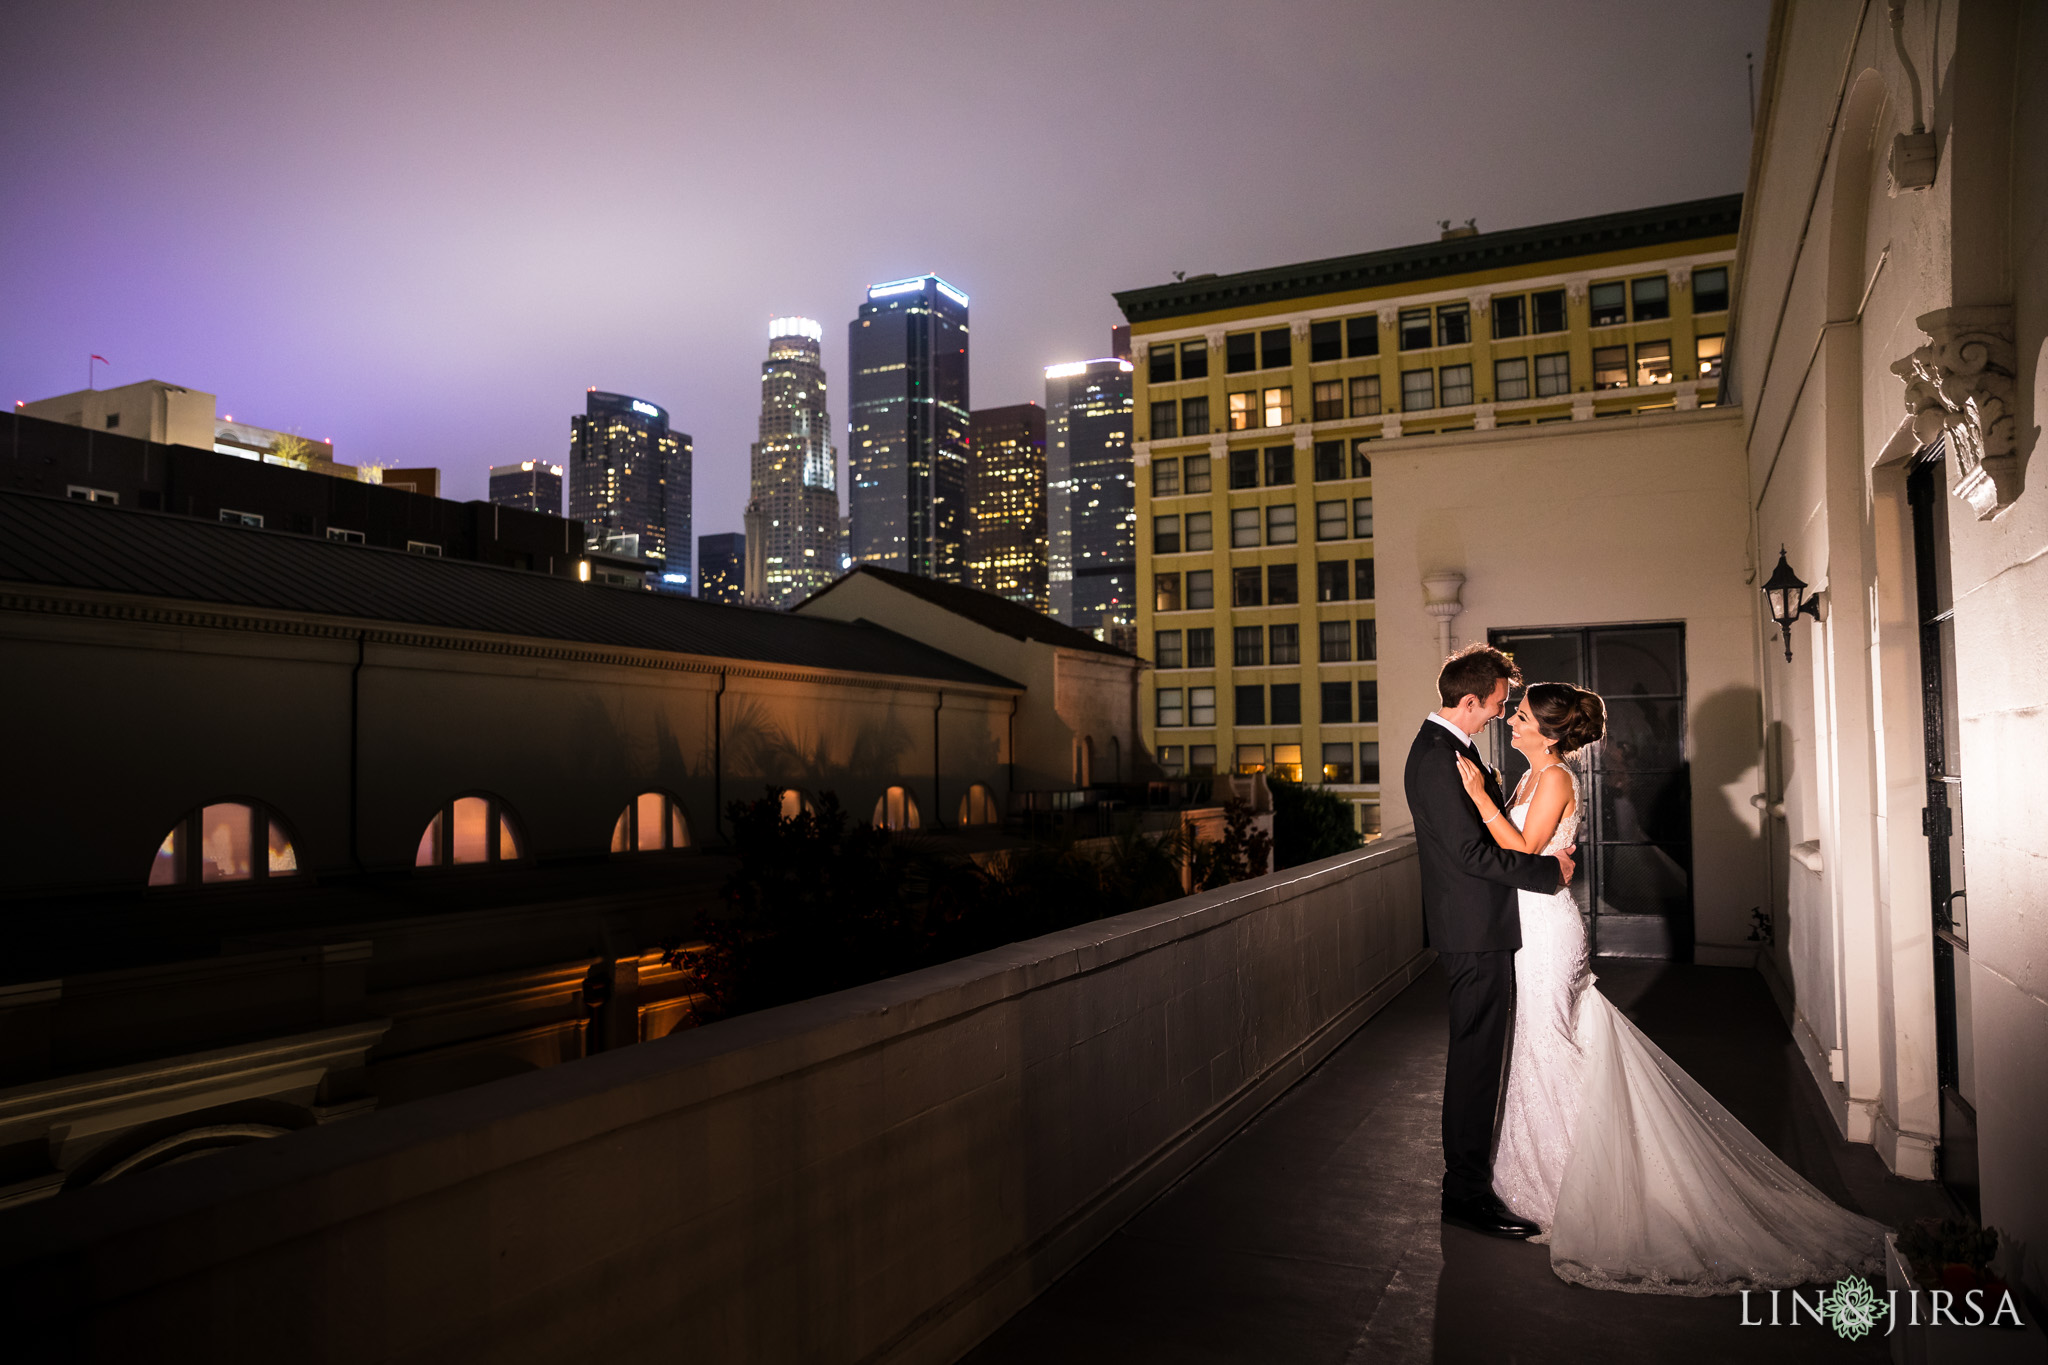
(1640, 1180)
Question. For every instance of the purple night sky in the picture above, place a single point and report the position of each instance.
(423, 229)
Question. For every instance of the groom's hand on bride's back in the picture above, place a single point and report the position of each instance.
(1565, 865)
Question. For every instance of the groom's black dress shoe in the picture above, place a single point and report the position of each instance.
(1488, 1215)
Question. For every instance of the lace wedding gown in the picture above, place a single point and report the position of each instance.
(1640, 1180)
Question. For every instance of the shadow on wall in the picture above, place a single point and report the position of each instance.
(1726, 726)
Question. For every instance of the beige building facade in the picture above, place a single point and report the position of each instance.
(1352, 466)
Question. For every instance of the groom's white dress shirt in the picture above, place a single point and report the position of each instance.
(1464, 739)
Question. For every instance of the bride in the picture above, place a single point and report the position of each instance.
(1640, 1180)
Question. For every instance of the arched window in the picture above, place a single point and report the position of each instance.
(795, 803)
(896, 810)
(470, 830)
(978, 807)
(652, 821)
(227, 841)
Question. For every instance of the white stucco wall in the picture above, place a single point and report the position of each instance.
(1618, 520)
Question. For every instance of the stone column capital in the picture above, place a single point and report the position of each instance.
(1959, 390)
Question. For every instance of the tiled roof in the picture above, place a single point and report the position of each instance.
(1513, 247)
(55, 542)
(998, 614)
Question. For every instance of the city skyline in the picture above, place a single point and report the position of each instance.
(400, 284)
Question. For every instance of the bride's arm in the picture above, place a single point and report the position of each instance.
(1546, 808)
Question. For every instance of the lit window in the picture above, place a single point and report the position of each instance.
(1710, 350)
(1610, 367)
(1286, 757)
(468, 831)
(1279, 406)
(978, 807)
(80, 493)
(1170, 760)
(1244, 410)
(1251, 758)
(896, 810)
(793, 804)
(651, 823)
(1653, 362)
(226, 841)
(1166, 592)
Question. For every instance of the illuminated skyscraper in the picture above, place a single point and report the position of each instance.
(532, 484)
(1090, 516)
(1006, 504)
(907, 453)
(792, 517)
(720, 560)
(629, 484)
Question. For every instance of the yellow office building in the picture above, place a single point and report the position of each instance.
(1265, 398)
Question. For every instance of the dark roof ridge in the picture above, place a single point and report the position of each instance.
(48, 541)
(985, 609)
(1692, 218)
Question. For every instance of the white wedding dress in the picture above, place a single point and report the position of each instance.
(1640, 1180)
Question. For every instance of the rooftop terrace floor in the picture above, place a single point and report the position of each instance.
(1313, 1235)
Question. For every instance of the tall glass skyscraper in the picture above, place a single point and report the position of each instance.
(1006, 504)
(1090, 497)
(720, 561)
(629, 484)
(907, 454)
(792, 517)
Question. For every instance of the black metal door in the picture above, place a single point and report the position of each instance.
(1635, 842)
(1942, 819)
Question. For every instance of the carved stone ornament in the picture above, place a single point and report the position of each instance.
(1575, 286)
(1303, 440)
(1481, 304)
(1215, 338)
(1681, 277)
(1959, 387)
(1300, 328)
(1389, 316)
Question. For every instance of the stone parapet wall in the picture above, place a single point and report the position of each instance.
(882, 1174)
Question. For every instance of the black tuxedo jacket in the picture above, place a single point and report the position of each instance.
(1468, 881)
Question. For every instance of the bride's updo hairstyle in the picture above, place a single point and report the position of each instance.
(1571, 716)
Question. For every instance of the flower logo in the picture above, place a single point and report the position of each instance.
(1852, 1307)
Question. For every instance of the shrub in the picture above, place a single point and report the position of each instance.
(1310, 823)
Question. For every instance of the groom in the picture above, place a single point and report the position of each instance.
(1470, 916)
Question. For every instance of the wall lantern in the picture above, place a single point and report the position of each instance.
(1782, 597)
